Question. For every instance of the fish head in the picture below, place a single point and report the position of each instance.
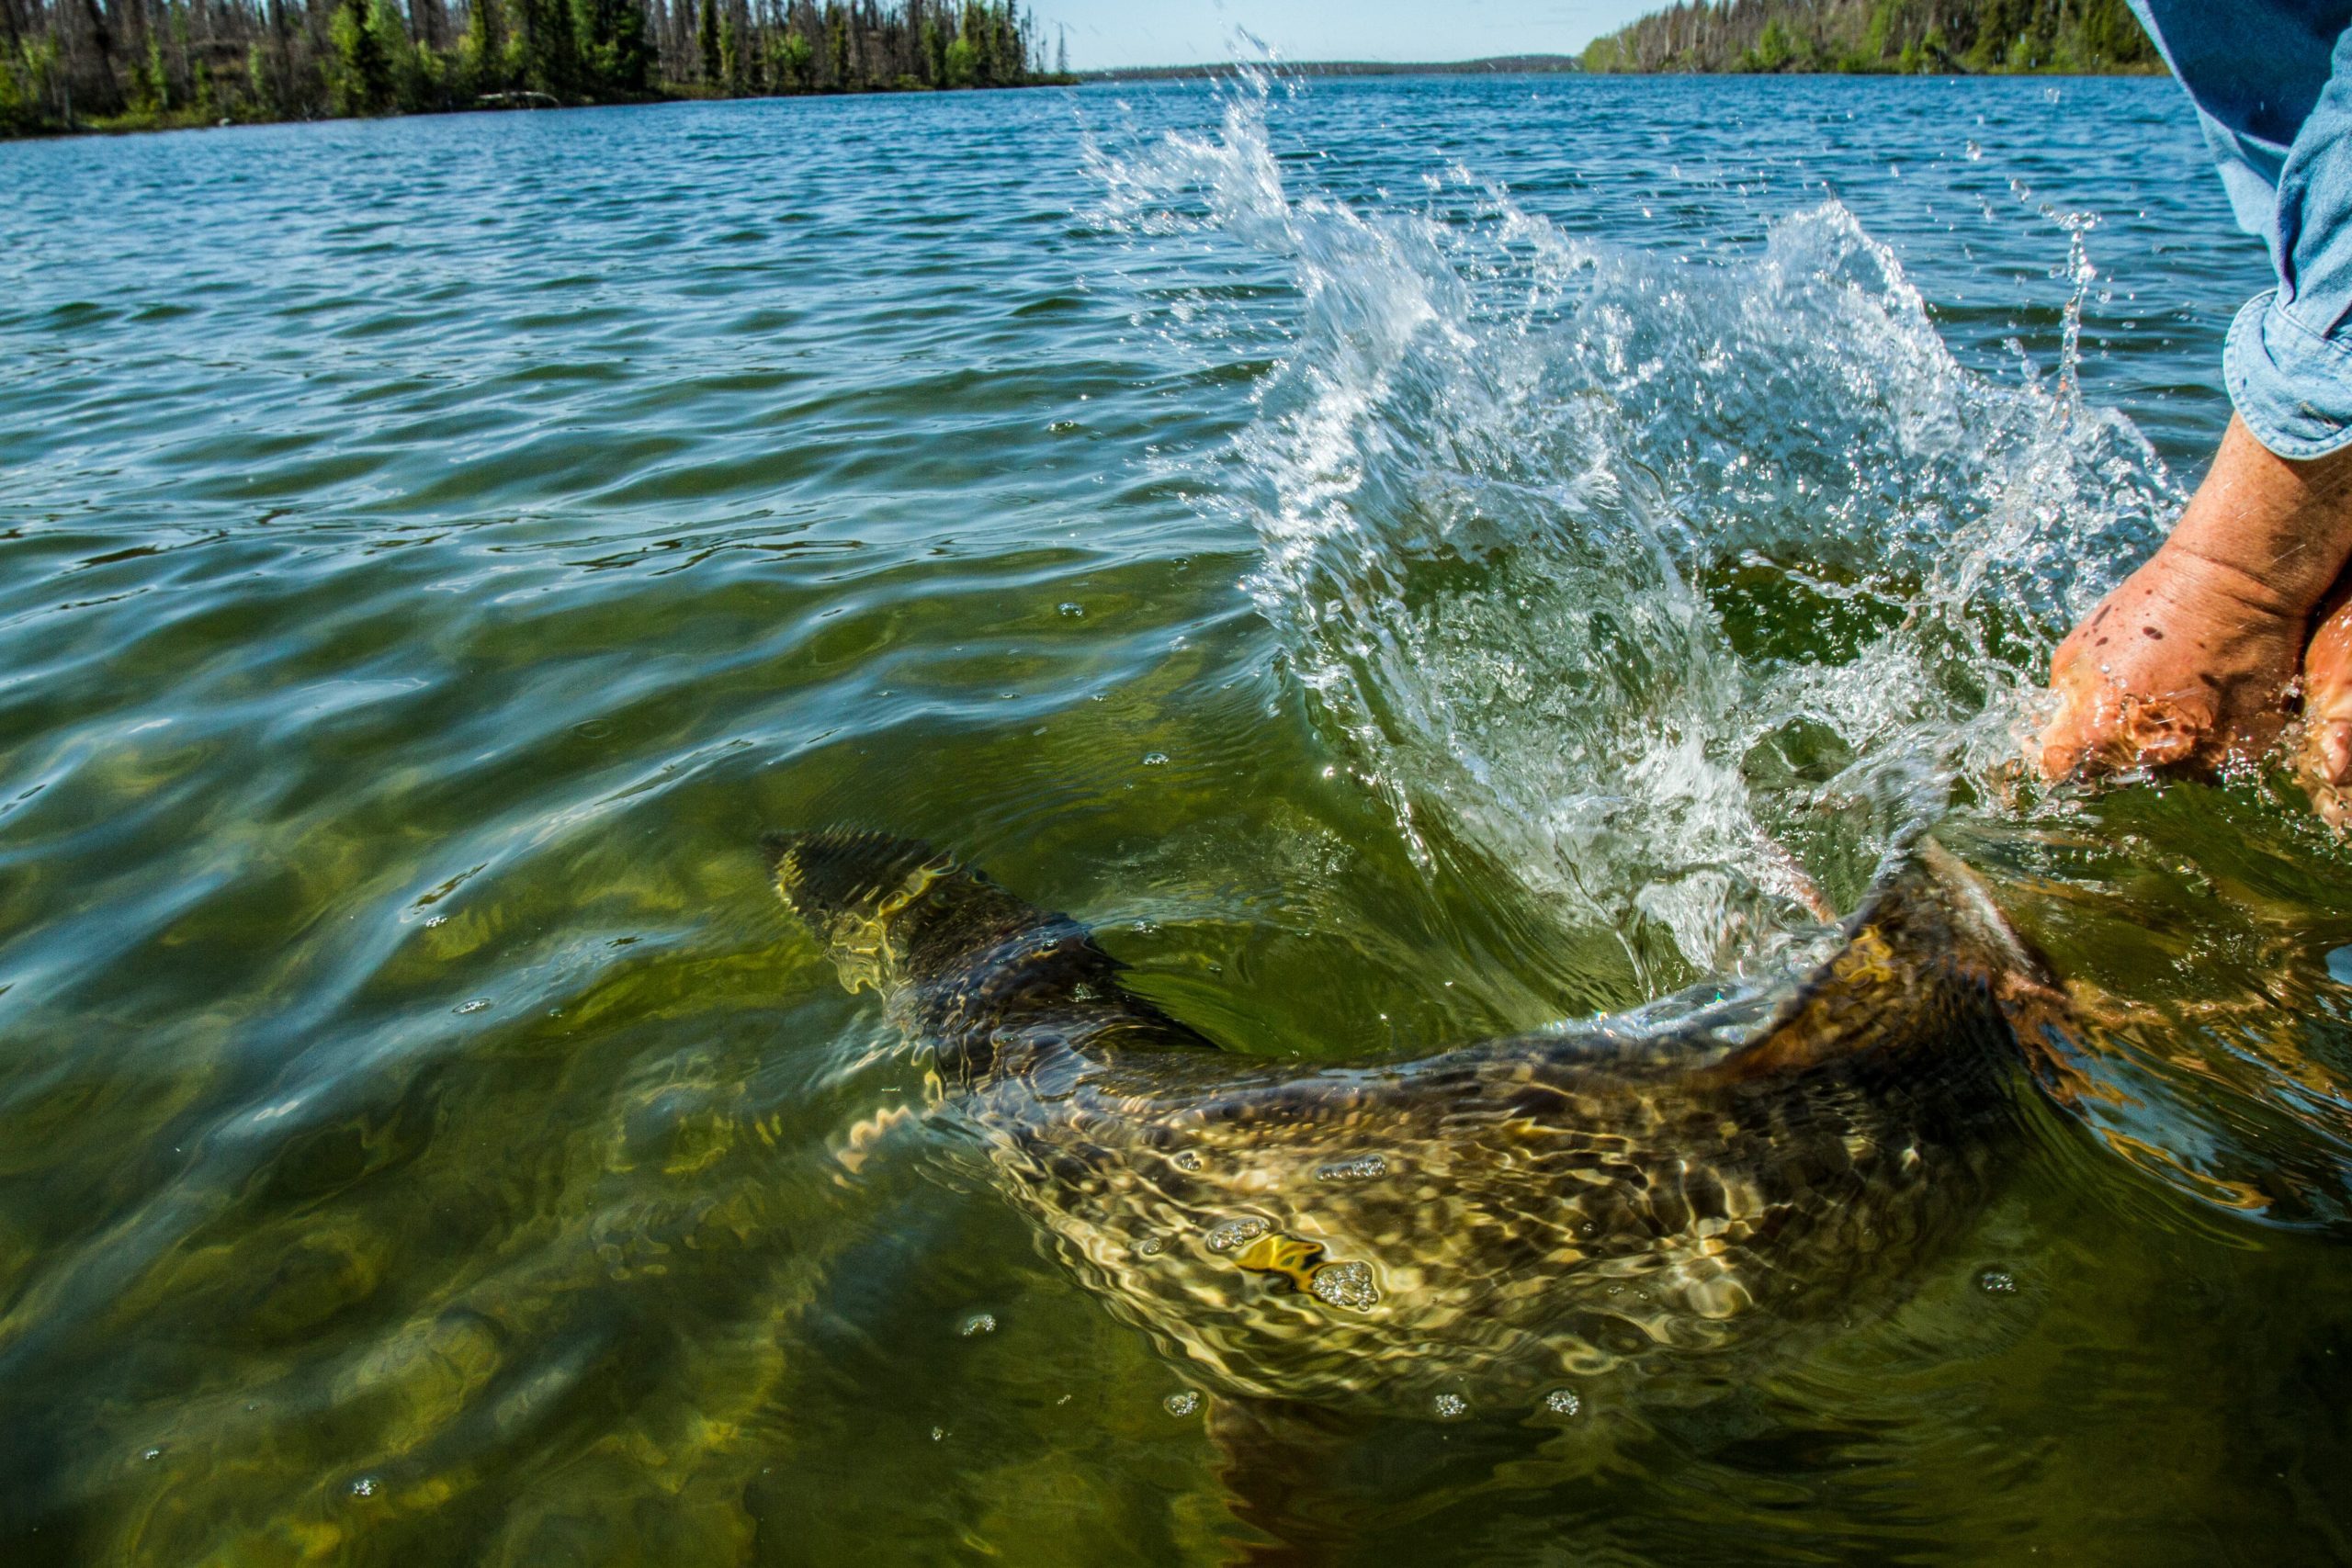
(861, 894)
(894, 912)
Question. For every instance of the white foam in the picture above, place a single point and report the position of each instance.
(1501, 473)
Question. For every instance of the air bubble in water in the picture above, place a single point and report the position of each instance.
(979, 1322)
(1450, 1406)
(1346, 1285)
(1181, 1404)
(1358, 1167)
(1562, 1402)
(1155, 759)
(1070, 610)
(1997, 1282)
(364, 1487)
(474, 1005)
(1228, 1235)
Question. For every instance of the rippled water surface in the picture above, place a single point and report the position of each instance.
(1406, 559)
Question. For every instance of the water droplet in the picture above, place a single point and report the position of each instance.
(1356, 1167)
(1181, 1404)
(1346, 1285)
(1155, 759)
(1070, 609)
(474, 1005)
(364, 1487)
(979, 1322)
(1997, 1282)
(1227, 1235)
(1450, 1406)
(1562, 1402)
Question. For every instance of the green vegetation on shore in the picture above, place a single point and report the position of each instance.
(1902, 35)
(135, 64)
(1491, 65)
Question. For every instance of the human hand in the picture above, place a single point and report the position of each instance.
(2190, 660)
(2183, 663)
(2325, 759)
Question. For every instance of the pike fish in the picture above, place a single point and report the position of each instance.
(1490, 1225)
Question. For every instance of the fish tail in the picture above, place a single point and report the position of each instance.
(1928, 954)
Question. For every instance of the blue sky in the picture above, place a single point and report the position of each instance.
(1185, 32)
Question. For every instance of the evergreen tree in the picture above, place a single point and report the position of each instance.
(196, 61)
(481, 51)
(359, 75)
(794, 64)
(544, 51)
(614, 53)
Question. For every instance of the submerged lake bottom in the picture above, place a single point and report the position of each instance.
(1406, 562)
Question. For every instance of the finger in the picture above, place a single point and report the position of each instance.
(2332, 748)
(2059, 755)
(2156, 733)
(2327, 695)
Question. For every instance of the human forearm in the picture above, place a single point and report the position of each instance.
(2276, 535)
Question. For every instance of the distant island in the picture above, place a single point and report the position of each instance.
(152, 64)
(1908, 36)
(1496, 65)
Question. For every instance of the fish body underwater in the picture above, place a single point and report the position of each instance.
(1487, 1227)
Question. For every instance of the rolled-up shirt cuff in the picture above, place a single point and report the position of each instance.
(2292, 386)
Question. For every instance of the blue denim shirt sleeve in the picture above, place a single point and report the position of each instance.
(2272, 83)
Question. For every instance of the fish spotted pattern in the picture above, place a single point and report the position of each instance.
(1487, 1223)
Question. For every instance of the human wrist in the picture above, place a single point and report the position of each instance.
(2267, 532)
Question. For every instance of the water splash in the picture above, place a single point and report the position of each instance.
(1672, 588)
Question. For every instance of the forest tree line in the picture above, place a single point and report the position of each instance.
(1906, 36)
(68, 65)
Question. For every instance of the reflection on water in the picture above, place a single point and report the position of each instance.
(1409, 560)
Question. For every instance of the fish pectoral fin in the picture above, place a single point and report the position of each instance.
(1285, 1467)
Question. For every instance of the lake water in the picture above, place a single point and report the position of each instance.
(1406, 559)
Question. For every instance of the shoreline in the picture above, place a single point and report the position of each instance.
(125, 125)
(1569, 67)
(1146, 76)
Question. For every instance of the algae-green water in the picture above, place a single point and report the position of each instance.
(1405, 559)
